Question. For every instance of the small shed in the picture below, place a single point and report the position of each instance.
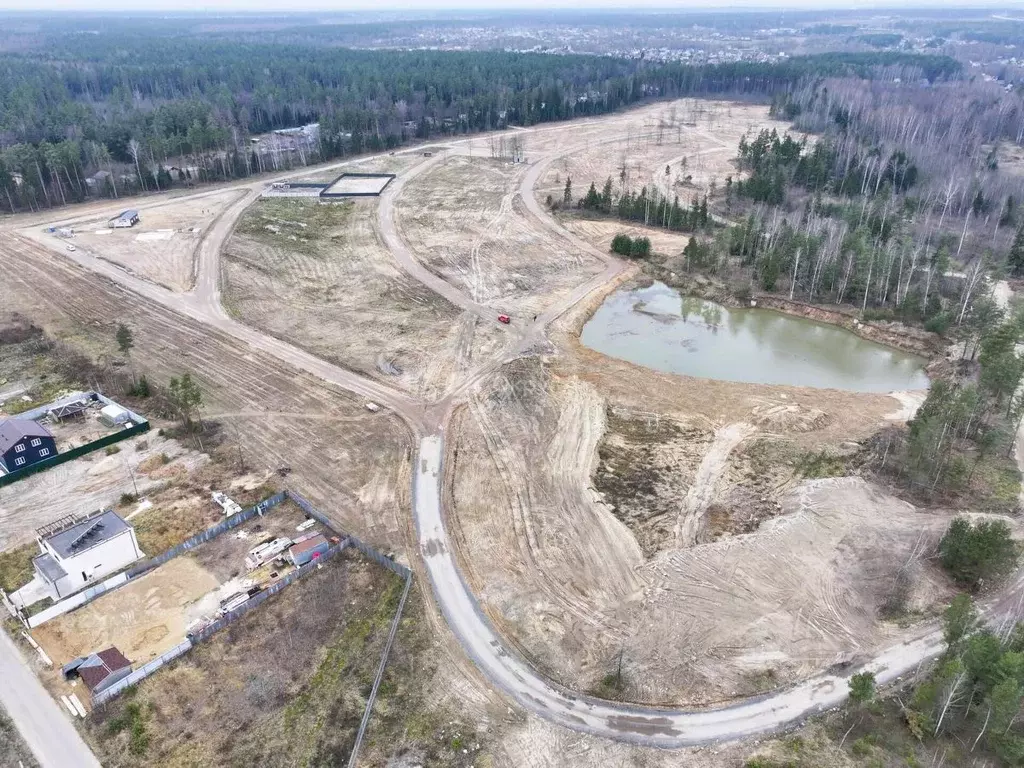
(68, 411)
(99, 670)
(114, 415)
(307, 550)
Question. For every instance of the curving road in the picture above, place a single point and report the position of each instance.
(642, 725)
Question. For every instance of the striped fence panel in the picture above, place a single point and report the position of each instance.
(77, 600)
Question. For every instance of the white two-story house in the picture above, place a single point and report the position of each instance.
(77, 552)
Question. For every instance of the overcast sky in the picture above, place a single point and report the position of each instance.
(434, 5)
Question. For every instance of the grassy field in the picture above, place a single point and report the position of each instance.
(16, 566)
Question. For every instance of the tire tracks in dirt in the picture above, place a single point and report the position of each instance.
(690, 519)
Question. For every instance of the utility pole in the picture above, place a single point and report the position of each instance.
(132, 476)
(238, 443)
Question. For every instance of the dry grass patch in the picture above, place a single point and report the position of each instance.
(284, 686)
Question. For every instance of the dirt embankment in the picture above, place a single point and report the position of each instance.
(914, 340)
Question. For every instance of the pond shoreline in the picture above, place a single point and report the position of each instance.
(747, 344)
(891, 334)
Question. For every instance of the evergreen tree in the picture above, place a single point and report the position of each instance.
(1016, 255)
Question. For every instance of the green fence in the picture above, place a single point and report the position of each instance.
(74, 453)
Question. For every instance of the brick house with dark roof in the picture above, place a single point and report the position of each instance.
(24, 442)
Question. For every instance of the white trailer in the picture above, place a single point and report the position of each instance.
(264, 553)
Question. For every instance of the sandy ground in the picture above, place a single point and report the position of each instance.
(144, 618)
(755, 578)
(601, 232)
(704, 134)
(463, 220)
(353, 185)
(89, 483)
(353, 464)
(340, 294)
(389, 164)
(161, 247)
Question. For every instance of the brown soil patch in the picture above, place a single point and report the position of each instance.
(463, 221)
(143, 619)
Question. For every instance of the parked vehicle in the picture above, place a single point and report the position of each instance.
(504, 319)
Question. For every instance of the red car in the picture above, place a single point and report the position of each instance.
(504, 319)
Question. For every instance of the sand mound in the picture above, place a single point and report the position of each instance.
(789, 417)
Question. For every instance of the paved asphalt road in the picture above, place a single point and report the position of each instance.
(43, 725)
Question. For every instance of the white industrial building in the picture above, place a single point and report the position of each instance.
(78, 552)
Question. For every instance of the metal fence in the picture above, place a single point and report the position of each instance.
(77, 600)
(366, 549)
(232, 616)
(210, 533)
(380, 673)
(309, 509)
(141, 673)
(88, 595)
(73, 453)
(205, 633)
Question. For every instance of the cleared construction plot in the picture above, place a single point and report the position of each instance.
(606, 509)
(599, 232)
(162, 246)
(695, 140)
(91, 482)
(319, 276)
(463, 221)
(358, 185)
(336, 450)
(151, 614)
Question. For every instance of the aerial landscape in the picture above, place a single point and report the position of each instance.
(499, 388)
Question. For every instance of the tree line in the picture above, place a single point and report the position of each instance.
(147, 113)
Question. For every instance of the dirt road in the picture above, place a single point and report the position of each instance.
(650, 726)
(640, 725)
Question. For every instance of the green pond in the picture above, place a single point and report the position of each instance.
(657, 327)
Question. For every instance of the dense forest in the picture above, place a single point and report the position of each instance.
(115, 114)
